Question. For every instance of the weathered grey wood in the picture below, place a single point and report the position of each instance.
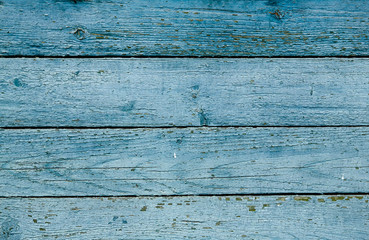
(234, 217)
(183, 161)
(182, 27)
(183, 92)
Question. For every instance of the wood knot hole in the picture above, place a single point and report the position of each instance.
(80, 34)
(277, 14)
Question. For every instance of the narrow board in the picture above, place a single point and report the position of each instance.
(95, 162)
(183, 92)
(184, 28)
(234, 217)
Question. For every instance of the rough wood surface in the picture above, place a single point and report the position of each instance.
(234, 217)
(167, 172)
(183, 161)
(182, 27)
(183, 92)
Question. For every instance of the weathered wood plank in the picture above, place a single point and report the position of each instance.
(182, 27)
(235, 217)
(183, 161)
(183, 92)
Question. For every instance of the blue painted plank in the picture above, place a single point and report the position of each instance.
(229, 217)
(85, 162)
(184, 27)
(183, 92)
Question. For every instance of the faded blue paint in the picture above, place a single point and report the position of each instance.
(10, 229)
(229, 217)
(174, 161)
(184, 92)
(184, 27)
(197, 92)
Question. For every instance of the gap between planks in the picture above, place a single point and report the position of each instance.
(182, 56)
(198, 195)
(181, 127)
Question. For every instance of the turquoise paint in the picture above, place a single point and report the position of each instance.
(183, 161)
(191, 217)
(184, 28)
(184, 92)
(161, 107)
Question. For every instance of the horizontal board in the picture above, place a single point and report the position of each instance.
(235, 217)
(184, 28)
(94, 162)
(183, 92)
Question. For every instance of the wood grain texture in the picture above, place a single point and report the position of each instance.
(183, 92)
(235, 217)
(94, 162)
(186, 28)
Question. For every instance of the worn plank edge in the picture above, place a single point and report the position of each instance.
(183, 218)
(185, 28)
(184, 161)
(183, 92)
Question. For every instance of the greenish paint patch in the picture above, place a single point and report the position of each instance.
(281, 199)
(143, 209)
(218, 223)
(266, 205)
(251, 208)
(321, 200)
(301, 198)
(335, 198)
(238, 199)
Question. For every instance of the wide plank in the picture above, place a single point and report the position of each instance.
(184, 28)
(228, 217)
(183, 92)
(94, 162)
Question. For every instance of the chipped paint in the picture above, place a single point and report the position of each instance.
(301, 198)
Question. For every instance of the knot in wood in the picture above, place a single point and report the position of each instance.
(277, 14)
(80, 34)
